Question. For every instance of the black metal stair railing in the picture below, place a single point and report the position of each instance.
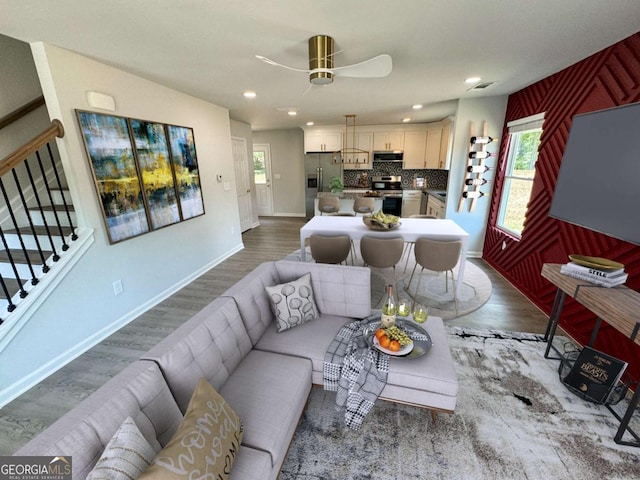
(29, 236)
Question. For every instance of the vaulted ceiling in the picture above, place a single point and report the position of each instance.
(208, 48)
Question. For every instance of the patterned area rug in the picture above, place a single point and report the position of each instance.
(475, 291)
(514, 420)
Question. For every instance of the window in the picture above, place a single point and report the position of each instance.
(259, 167)
(524, 140)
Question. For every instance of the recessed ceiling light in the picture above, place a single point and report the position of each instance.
(309, 124)
(417, 106)
(293, 113)
(249, 94)
(406, 120)
(472, 80)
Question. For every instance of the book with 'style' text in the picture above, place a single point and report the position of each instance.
(595, 272)
(598, 277)
(595, 374)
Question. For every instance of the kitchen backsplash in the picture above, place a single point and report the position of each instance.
(435, 179)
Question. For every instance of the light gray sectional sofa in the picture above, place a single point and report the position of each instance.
(265, 376)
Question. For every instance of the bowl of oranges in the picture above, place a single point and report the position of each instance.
(392, 341)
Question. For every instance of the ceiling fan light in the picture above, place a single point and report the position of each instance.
(321, 59)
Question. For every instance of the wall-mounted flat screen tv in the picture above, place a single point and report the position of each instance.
(598, 184)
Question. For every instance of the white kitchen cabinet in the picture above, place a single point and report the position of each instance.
(445, 145)
(388, 141)
(358, 160)
(322, 141)
(435, 207)
(433, 147)
(415, 144)
(411, 202)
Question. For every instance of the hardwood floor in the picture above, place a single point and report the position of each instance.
(33, 411)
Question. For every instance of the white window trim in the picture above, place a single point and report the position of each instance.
(532, 122)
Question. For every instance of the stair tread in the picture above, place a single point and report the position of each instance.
(19, 256)
(51, 208)
(40, 230)
(12, 286)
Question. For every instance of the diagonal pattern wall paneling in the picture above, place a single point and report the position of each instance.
(606, 79)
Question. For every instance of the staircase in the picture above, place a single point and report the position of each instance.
(38, 236)
(31, 249)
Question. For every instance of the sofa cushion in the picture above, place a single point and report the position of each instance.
(139, 391)
(252, 463)
(126, 456)
(206, 443)
(338, 289)
(252, 300)
(292, 303)
(429, 380)
(433, 372)
(310, 340)
(211, 345)
(269, 392)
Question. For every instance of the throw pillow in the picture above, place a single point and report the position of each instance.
(126, 456)
(292, 303)
(206, 443)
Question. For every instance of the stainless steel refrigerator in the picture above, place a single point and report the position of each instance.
(319, 169)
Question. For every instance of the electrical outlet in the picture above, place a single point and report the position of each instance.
(117, 287)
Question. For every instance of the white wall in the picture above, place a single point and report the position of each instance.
(18, 86)
(477, 110)
(287, 169)
(84, 309)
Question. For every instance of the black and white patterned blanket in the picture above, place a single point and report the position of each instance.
(355, 371)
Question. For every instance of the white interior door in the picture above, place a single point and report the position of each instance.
(243, 181)
(262, 177)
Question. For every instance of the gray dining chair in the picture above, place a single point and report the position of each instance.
(330, 249)
(328, 204)
(382, 252)
(364, 205)
(437, 256)
(408, 248)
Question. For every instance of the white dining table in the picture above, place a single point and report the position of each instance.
(410, 230)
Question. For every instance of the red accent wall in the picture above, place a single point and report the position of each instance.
(606, 79)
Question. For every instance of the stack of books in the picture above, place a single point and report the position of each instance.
(604, 278)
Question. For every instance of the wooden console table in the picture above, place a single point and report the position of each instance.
(618, 306)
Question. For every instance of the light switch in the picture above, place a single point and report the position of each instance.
(227, 186)
(276, 176)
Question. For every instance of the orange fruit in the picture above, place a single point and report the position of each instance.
(380, 332)
(394, 345)
(384, 341)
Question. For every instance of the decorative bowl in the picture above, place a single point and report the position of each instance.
(595, 262)
(375, 224)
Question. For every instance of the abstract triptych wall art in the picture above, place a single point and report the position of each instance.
(146, 173)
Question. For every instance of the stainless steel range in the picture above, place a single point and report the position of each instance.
(391, 188)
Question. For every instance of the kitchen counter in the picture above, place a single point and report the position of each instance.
(359, 192)
(439, 194)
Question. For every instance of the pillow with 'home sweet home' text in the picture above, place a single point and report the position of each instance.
(292, 302)
(205, 444)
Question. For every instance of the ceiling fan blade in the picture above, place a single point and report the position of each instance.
(271, 62)
(379, 66)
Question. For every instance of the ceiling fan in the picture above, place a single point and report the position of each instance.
(321, 70)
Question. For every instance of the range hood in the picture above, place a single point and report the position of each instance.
(387, 156)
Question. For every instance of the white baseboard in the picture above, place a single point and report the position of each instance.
(284, 214)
